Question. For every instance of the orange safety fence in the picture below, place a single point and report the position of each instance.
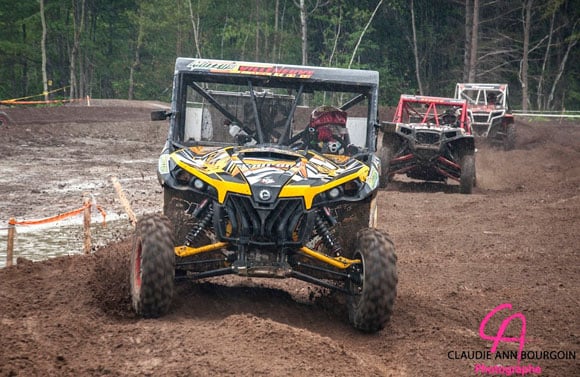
(60, 216)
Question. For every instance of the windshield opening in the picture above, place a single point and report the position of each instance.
(251, 113)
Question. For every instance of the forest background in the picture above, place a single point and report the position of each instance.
(126, 49)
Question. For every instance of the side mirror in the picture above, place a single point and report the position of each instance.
(160, 114)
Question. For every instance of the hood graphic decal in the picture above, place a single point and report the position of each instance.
(233, 170)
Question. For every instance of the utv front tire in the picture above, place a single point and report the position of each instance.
(510, 137)
(152, 266)
(5, 119)
(371, 302)
(385, 154)
(467, 179)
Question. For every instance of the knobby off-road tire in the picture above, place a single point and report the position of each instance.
(385, 154)
(152, 266)
(371, 305)
(5, 119)
(467, 179)
(510, 137)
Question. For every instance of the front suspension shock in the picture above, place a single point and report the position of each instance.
(328, 238)
(204, 213)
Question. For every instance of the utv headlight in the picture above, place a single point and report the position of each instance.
(184, 177)
(351, 188)
(198, 184)
(334, 193)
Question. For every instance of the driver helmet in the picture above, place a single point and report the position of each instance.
(335, 147)
(328, 123)
(450, 116)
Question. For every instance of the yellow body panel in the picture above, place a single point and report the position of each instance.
(219, 161)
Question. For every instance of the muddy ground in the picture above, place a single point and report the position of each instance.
(515, 240)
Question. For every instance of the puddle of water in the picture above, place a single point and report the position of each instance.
(41, 242)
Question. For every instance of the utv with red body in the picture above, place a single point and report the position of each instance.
(489, 112)
(429, 139)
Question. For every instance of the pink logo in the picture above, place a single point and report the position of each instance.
(499, 336)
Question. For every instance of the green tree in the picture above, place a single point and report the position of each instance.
(127, 48)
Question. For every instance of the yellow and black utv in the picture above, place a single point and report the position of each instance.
(270, 171)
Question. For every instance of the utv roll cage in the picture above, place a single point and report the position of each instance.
(489, 112)
(432, 110)
(261, 81)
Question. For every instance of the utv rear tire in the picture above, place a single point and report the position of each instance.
(510, 137)
(371, 304)
(152, 266)
(467, 179)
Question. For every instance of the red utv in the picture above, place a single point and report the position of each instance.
(429, 139)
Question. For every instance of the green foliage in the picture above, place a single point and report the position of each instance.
(145, 36)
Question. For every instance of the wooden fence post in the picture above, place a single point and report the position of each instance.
(10, 251)
(87, 225)
(124, 201)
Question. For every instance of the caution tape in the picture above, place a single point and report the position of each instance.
(35, 95)
(11, 102)
(60, 216)
(26, 101)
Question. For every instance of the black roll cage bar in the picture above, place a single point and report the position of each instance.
(284, 139)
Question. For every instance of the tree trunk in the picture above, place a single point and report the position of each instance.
(137, 60)
(304, 31)
(527, 10)
(540, 91)
(467, 47)
(43, 51)
(336, 37)
(573, 40)
(472, 75)
(195, 28)
(362, 34)
(275, 40)
(257, 36)
(223, 41)
(280, 29)
(24, 62)
(81, 75)
(415, 49)
(78, 24)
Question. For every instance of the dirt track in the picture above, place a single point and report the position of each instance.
(515, 240)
